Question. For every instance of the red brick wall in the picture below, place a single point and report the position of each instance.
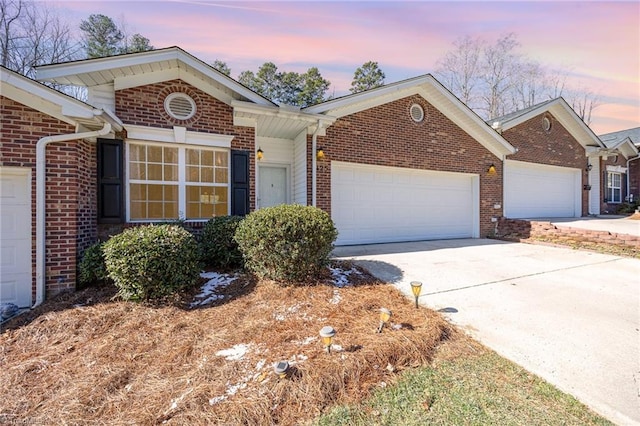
(144, 106)
(70, 187)
(387, 136)
(634, 178)
(555, 147)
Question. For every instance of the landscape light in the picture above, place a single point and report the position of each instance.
(327, 332)
(280, 368)
(385, 316)
(416, 288)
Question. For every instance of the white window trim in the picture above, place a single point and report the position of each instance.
(178, 135)
(610, 186)
(181, 183)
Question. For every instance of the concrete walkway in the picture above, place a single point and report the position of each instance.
(571, 317)
(613, 224)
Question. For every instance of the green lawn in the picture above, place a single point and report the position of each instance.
(483, 389)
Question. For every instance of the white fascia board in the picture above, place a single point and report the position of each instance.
(178, 135)
(275, 111)
(51, 72)
(626, 148)
(35, 95)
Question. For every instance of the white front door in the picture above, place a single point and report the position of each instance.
(272, 187)
(15, 236)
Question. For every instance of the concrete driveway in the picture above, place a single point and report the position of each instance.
(571, 317)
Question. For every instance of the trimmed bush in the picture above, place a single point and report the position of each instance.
(219, 249)
(286, 242)
(92, 269)
(150, 262)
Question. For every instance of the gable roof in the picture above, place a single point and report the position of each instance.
(54, 103)
(627, 142)
(562, 112)
(431, 90)
(135, 69)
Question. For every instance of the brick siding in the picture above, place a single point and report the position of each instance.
(387, 136)
(70, 188)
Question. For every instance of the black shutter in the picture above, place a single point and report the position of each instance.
(239, 183)
(110, 181)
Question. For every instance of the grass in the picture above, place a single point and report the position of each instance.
(89, 358)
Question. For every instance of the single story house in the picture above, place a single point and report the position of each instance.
(620, 169)
(164, 136)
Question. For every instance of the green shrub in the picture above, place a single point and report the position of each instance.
(286, 242)
(92, 269)
(150, 262)
(219, 249)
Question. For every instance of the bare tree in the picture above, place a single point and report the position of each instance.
(493, 79)
(33, 34)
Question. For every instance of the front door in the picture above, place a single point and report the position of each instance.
(272, 189)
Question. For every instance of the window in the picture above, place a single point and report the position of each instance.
(169, 182)
(614, 187)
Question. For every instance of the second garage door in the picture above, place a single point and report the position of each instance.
(375, 204)
(538, 190)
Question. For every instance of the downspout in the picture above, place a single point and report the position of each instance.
(314, 183)
(629, 180)
(41, 172)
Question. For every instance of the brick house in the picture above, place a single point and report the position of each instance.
(164, 136)
(620, 169)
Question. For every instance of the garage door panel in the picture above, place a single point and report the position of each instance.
(400, 204)
(534, 190)
(15, 245)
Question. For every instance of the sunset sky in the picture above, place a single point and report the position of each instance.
(597, 43)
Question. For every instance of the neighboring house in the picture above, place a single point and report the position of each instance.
(549, 175)
(168, 137)
(620, 169)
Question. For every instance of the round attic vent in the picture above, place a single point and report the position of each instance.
(417, 113)
(546, 124)
(180, 106)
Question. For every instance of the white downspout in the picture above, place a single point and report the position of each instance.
(314, 149)
(41, 172)
(628, 180)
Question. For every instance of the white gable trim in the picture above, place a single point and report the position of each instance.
(178, 135)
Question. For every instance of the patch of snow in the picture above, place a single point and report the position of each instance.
(217, 399)
(306, 341)
(336, 348)
(336, 297)
(208, 291)
(341, 276)
(236, 353)
(233, 389)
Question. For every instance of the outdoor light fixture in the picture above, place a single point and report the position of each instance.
(416, 288)
(327, 332)
(491, 170)
(280, 368)
(260, 154)
(320, 154)
(385, 316)
(587, 187)
(589, 167)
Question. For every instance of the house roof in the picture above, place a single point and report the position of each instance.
(135, 69)
(431, 90)
(627, 142)
(562, 112)
(54, 103)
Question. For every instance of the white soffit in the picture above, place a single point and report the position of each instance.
(149, 67)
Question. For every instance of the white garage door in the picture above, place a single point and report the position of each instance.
(374, 204)
(15, 236)
(537, 191)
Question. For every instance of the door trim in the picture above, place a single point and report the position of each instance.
(287, 174)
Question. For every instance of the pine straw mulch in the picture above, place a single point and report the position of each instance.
(88, 358)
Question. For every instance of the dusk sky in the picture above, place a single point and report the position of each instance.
(597, 43)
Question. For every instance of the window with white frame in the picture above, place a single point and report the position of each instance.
(614, 187)
(172, 182)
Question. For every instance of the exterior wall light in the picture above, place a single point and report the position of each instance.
(326, 333)
(589, 167)
(259, 154)
(320, 154)
(385, 316)
(491, 170)
(416, 288)
(587, 187)
(281, 368)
